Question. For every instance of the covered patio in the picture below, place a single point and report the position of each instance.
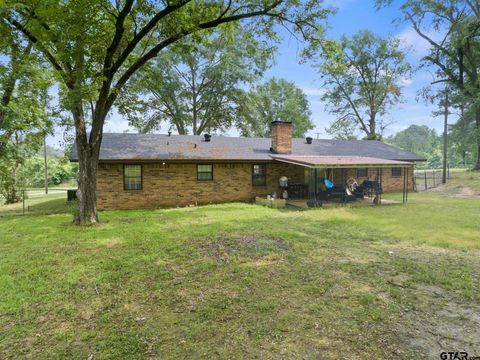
(332, 180)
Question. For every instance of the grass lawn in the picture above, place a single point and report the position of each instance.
(244, 281)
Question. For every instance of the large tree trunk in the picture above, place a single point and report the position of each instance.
(372, 128)
(88, 150)
(87, 186)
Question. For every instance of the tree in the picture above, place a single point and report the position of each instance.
(12, 71)
(421, 140)
(196, 86)
(462, 142)
(23, 117)
(95, 47)
(362, 83)
(275, 100)
(60, 170)
(452, 30)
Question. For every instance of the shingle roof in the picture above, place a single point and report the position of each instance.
(152, 147)
(339, 161)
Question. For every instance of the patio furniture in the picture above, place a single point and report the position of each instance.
(372, 188)
(340, 193)
(297, 191)
(359, 192)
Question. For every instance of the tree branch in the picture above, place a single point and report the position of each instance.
(55, 63)
(181, 34)
(119, 31)
(143, 32)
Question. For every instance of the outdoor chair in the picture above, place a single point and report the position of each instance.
(372, 188)
(359, 192)
(297, 191)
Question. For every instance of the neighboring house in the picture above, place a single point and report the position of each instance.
(150, 170)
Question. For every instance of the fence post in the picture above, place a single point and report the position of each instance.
(23, 201)
(425, 171)
(433, 172)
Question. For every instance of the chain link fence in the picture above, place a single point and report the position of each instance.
(428, 179)
(36, 201)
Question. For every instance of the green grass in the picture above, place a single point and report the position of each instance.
(244, 281)
(465, 178)
(54, 202)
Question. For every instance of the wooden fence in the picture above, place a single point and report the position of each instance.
(427, 179)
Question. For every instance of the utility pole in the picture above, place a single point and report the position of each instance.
(46, 163)
(445, 139)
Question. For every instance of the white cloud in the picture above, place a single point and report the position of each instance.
(406, 81)
(117, 123)
(312, 91)
(339, 4)
(418, 45)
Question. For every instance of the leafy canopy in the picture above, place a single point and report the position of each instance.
(196, 86)
(24, 104)
(452, 30)
(421, 140)
(275, 100)
(363, 80)
(96, 46)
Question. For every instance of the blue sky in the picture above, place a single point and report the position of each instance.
(352, 16)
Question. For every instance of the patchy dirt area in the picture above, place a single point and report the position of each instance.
(456, 191)
(462, 191)
(448, 325)
(224, 246)
(439, 310)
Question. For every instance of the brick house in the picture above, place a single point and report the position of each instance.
(152, 170)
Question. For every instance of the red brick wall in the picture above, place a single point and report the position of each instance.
(282, 137)
(176, 184)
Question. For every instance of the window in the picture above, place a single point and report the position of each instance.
(204, 172)
(362, 172)
(259, 174)
(132, 177)
(397, 171)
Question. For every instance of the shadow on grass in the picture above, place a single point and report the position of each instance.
(53, 206)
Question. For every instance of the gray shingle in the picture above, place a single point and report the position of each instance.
(152, 147)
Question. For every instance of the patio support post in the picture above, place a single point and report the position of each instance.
(312, 182)
(381, 185)
(404, 178)
(406, 193)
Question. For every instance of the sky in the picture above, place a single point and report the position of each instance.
(351, 16)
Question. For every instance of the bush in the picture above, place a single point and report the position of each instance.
(59, 171)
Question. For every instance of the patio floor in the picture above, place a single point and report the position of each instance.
(302, 203)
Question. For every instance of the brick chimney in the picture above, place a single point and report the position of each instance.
(281, 137)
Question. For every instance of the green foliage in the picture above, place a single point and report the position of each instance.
(197, 85)
(463, 141)
(59, 171)
(362, 77)
(106, 43)
(24, 118)
(455, 58)
(275, 100)
(420, 140)
(11, 181)
(96, 46)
